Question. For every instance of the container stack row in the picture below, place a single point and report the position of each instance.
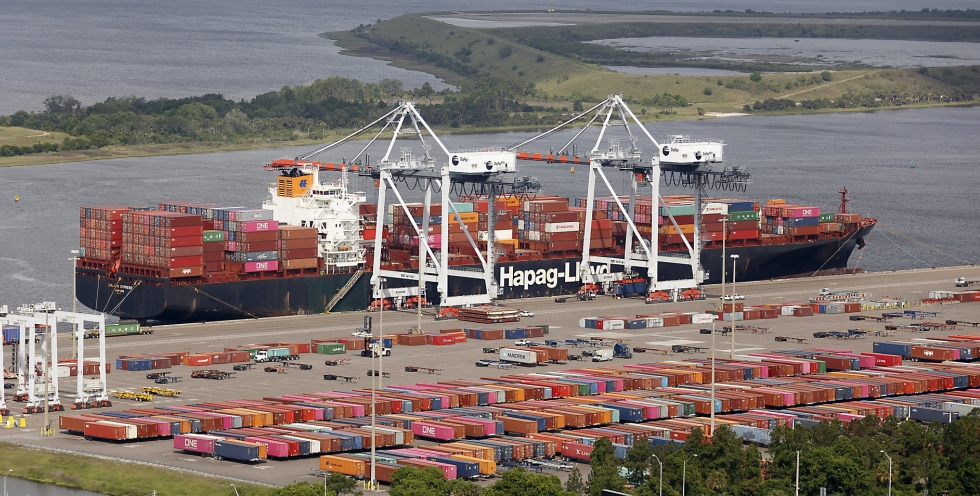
(100, 232)
(193, 240)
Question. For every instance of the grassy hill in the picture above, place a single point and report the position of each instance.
(457, 53)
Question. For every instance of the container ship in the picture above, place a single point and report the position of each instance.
(307, 249)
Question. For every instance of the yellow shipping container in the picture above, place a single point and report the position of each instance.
(670, 229)
(487, 467)
(465, 217)
(343, 464)
(775, 201)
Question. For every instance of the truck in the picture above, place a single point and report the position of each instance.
(603, 356)
(620, 350)
(123, 328)
(523, 357)
(274, 355)
(962, 282)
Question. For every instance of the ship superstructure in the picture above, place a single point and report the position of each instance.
(300, 198)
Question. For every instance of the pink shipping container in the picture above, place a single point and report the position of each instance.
(449, 471)
(258, 225)
(799, 212)
(489, 426)
(269, 265)
(277, 449)
(441, 432)
(197, 443)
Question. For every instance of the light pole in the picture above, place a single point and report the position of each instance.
(712, 376)
(11, 470)
(797, 473)
(74, 308)
(684, 475)
(889, 471)
(661, 475)
(734, 261)
(235, 488)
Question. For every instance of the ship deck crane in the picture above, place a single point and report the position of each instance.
(681, 161)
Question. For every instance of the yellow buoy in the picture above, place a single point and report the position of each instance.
(16, 198)
(573, 170)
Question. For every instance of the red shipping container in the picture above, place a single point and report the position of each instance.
(300, 263)
(253, 246)
(803, 312)
(178, 241)
(176, 232)
(184, 261)
(177, 272)
(298, 243)
(298, 253)
(185, 251)
(196, 360)
(220, 358)
(257, 236)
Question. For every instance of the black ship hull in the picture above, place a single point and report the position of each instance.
(168, 301)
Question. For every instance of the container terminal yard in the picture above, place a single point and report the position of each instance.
(458, 361)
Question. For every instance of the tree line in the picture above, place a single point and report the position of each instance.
(291, 113)
(844, 459)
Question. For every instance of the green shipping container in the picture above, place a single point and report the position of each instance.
(742, 216)
(214, 236)
(676, 210)
(545, 326)
(331, 348)
(827, 217)
(122, 329)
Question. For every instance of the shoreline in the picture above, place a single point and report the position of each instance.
(194, 148)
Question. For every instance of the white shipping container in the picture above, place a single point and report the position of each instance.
(788, 310)
(519, 356)
(558, 227)
(520, 224)
(715, 208)
(655, 322)
(581, 323)
(500, 234)
(942, 294)
(961, 408)
(613, 325)
(63, 372)
(702, 318)
(130, 428)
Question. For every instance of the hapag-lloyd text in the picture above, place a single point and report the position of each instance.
(548, 277)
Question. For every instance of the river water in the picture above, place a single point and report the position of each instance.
(95, 49)
(927, 214)
(22, 487)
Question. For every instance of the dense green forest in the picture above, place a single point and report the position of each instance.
(331, 106)
(309, 111)
(845, 459)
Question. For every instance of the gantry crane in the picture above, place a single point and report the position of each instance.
(680, 160)
(483, 172)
